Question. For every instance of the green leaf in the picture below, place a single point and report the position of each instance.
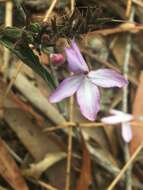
(34, 27)
(12, 39)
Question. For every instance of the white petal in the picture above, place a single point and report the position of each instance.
(107, 78)
(125, 117)
(88, 98)
(66, 88)
(112, 120)
(126, 132)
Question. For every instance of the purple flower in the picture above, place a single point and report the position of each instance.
(85, 83)
(123, 118)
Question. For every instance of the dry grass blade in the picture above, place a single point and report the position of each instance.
(37, 99)
(124, 169)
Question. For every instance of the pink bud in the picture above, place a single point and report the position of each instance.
(57, 58)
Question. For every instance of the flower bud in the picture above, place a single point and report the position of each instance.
(57, 58)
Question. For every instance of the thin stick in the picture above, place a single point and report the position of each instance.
(16, 157)
(126, 166)
(84, 125)
(125, 99)
(69, 156)
(46, 186)
(50, 10)
(72, 6)
(128, 8)
(8, 22)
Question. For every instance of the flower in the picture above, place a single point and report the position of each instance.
(124, 119)
(85, 83)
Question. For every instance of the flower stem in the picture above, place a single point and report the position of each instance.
(69, 156)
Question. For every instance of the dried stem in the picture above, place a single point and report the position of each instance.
(125, 98)
(46, 186)
(72, 6)
(16, 157)
(128, 8)
(81, 125)
(53, 4)
(8, 22)
(126, 166)
(69, 156)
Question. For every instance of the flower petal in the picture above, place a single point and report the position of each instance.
(88, 99)
(76, 62)
(107, 78)
(66, 88)
(118, 117)
(125, 117)
(126, 132)
(112, 120)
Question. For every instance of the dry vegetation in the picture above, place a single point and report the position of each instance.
(45, 146)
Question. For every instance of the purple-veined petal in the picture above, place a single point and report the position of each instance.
(107, 78)
(66, 88)
(76, 62)
(126, 132)
(88, 98)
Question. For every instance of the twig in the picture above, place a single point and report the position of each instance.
(69, 156)
(72, 124)
(8, 22)
(85, 125)
(53, 4)
(126, 166)
(46, 186)
(16, 157)
(72, 6)
(128, 8)
(125, 98)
